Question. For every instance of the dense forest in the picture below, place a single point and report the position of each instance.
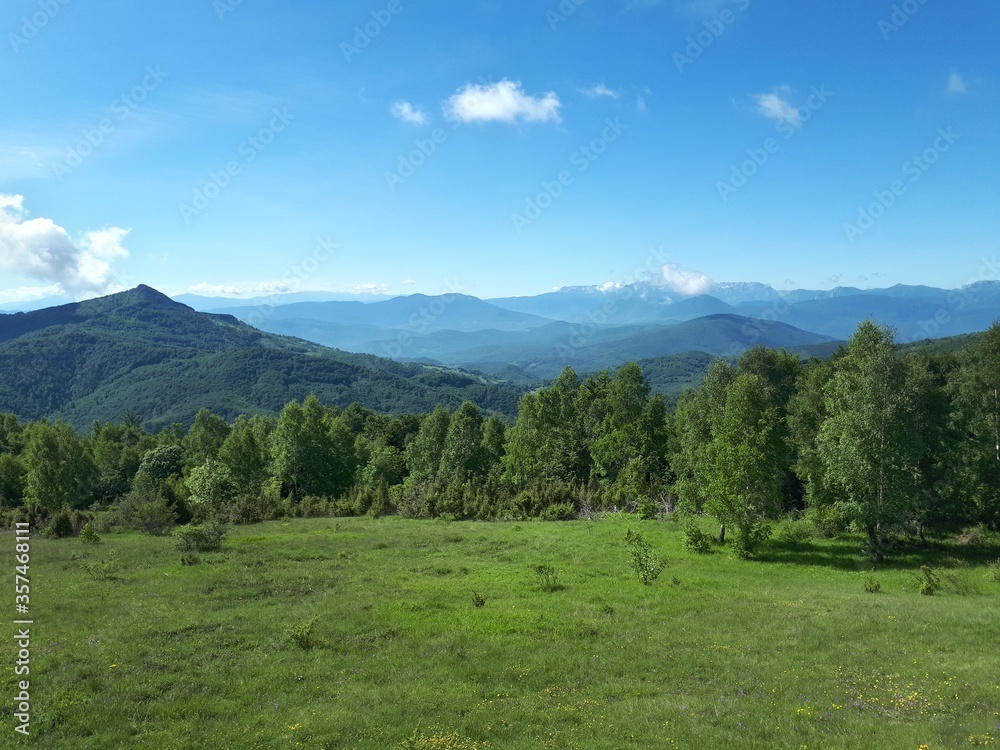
(883, 441)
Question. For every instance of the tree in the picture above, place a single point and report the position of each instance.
(620, 437)
(868, 442)
(213, 490)
(744, 462)
(976, 420)
(205, 437)
(462, 454)
(312, 454)
(547, 442)
(246, 453)
(697, 412)
(59, 471)
(807, 411)
(423, 454)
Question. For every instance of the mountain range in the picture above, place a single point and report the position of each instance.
(139, 351)
(595, 327)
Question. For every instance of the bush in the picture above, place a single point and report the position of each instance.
(872, 585)
(88, 535)
(548, 578)
(993, 571)
(189, 558)
(107, 569)
(927, 581)
(60, 525)
(794, 532)
(205, 537)
(149, 514)
(645, 562)
(478, 600)
(301, 634)
(695, 539)
(559, 512)
(827, 521)
(748, 540)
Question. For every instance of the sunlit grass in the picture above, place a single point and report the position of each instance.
(782, 652)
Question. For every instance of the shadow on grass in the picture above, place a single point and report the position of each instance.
(907, 554)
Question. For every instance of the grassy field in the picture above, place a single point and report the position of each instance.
(443, 635)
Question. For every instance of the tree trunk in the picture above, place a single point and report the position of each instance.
(722, 534)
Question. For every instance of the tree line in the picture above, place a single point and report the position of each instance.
(874, 439)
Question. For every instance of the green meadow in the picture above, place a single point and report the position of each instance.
(394, 633)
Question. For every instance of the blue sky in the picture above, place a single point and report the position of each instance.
(496, 148)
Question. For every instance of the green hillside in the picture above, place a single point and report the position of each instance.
(140, 351)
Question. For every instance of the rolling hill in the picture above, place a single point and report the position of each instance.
(141, 351)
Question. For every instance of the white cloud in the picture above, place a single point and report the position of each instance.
(501, 102)
(407, 282)
(776, 106)
(29, 293)
(407, 113)
(956, 84)
(370, 289)
(600, 90)
(610, 286)
(640, 103)
(684, 281)
(41, 249)
(254, 289)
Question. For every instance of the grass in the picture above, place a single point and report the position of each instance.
(364, 633)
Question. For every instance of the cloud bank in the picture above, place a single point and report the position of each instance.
(41, 249)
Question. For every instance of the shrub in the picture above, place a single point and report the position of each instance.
(973, 537)
(301, 634)
(88, 535)
(827, 521)
(61, 525)
(993, 571)
(189, 558)
(559, 512)
(927, 581)
(748, 540)
(794, 532)
(205, 537)
(478, 600)
(106, 569)
(645, 562)
(872, 585)
(695, 539)
(548, 578)
(141, 512)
